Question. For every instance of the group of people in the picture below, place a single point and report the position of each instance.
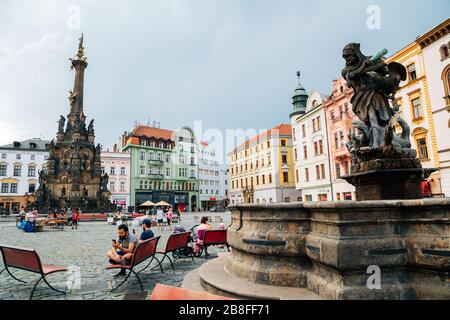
(159, 215)
(27, 220)
(72, 216)
(122, 250)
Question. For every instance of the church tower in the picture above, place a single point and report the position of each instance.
(299, 98)
(73, 177)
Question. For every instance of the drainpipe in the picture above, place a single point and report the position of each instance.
(329, 153)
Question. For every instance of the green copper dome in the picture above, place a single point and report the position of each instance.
(299, 98)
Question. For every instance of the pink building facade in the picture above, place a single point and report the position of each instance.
(117, 165)
(339, 116)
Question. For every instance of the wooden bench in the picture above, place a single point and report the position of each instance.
(143, 252)
(28, 260)
(163, 292)
(215, 238)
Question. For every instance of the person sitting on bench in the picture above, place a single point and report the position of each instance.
(147, 233)
(122, 252)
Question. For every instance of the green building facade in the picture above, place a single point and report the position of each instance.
(164, 167)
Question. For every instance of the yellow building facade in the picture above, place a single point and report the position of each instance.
(413, 97)
(262, 169)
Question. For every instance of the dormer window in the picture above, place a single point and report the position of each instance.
(33, 145)
(16, 144)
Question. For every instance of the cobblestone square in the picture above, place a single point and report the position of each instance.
(86, 249)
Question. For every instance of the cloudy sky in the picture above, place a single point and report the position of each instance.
(228, 63)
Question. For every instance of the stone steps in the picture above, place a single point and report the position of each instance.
(212, 277)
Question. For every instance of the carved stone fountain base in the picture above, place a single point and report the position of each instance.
(335, 250)
(387, 173)
(389, 184)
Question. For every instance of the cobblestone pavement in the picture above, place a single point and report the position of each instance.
(86, 249)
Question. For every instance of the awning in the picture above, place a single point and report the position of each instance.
(147, 204)
(163, 204)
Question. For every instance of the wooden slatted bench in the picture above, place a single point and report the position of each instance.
(215, 238)
(28, 260)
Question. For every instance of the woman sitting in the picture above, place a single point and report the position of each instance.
(201, 234)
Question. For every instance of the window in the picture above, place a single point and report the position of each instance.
(18, 156)
(444, 52)
(322, 169)
(113, 171)
(142, 170)
(263, 179)
(284, 159)
(32, 188)
(321, 146)
(346, 168)
(412, 72)
(341, 112)
(336, 141)
(122, 185)
(2, 170)
(167, 172)
(308, 198)
(31, 171)
(422, 148)
(103, 170)
(338, 170)
(3, 156)
(17, 170)
(286, 177)
(13, 188)
(167, 158)
(297, 176)
(305, 152)
(332, 115)
(112, 186)
(306, 174)
(33, 157)
(123, 171)
(417, 109)
(303, 131)
(142, 156)
(5, 187)
(283, 143)
(342, 138)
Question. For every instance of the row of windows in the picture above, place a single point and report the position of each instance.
(19, 157)
(154, 156)
(320, 173)
(9, 187)
(344, 110)
(156, 144)
(246, 167)
(259, 180)
(112, 186)
(209, 182)
(160, 185)
(213, 192)
(255, 149)
(17, 171)
(112, 171)
(318, 150)
(208, 172)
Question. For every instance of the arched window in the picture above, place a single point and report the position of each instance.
(287, 199)
(299, 199)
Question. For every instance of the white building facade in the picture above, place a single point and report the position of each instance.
(117, 165)
(435, 46)
(213, 183)
(20, 164)
(312, 162)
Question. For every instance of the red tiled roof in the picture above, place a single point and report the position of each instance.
(149, 132)
(282, 130)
